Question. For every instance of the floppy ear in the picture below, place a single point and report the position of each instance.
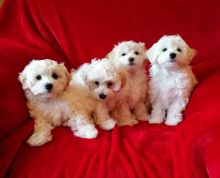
(22, 78)
(67, 74)
(151, 54)
(23, 75)
(85, 78)
(143, 48)
(123, 79)
(191, 55)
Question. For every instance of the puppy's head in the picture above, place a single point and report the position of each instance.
(102, 79)
(44, 77)
(170, 51)
(129, 55)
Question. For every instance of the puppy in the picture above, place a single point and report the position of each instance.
(172, 79)
(130, 56)
(52, 102)
(108, 87)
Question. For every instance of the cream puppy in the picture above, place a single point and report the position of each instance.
(108, 86)
(52, 102)
(130, 56)
(172, 79)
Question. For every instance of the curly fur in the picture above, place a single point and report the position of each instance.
(172, 79)
(60, 105)
(130, 57)
(101, 78)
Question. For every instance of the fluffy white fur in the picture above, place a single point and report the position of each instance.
(52, 102)
(108, 86)
(131, 57)
(172, 79)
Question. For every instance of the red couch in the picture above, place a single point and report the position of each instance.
(74, 31)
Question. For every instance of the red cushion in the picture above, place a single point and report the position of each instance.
(76, 31)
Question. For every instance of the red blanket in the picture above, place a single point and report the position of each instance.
(74, 31)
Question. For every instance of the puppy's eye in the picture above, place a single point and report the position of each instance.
(96, 83)
(164, 49)
(136, 52)
(109, 84)
(38, 77)
(178, 49)
(123, 54)
(55, 76)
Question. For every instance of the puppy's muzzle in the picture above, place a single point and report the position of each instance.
(102, 96)
(172, 57)
(49, 86)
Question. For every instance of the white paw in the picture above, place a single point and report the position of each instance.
(108, 124)
(172, 122)
(155, 120)
(86, 131)
(39, 138)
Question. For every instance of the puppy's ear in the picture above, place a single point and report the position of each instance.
(123, 76)
(22, 78)
(143, 49)
(142, 46)
(191, 54)
(85, 78)
(67, 74)
(152, 54)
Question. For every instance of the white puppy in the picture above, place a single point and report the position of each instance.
(108, 86)
(131, 57)
(172, 79)
(52, 102)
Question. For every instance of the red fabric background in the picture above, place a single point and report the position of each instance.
(76, 31)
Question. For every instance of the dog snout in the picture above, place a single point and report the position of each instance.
(49, 86)
(131, 59)
(102, 96)
(172, 55)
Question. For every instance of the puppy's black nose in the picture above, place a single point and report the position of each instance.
(102, 96)
(172, 55)
(131, 59)
(48, 86)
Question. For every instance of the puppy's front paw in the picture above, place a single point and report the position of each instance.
(155, 120)
(66, 124)
(129, 122)
(144, 117)
(172, 122)
(174, 119)
(39, 138)
(108, 124)
(86, 131)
